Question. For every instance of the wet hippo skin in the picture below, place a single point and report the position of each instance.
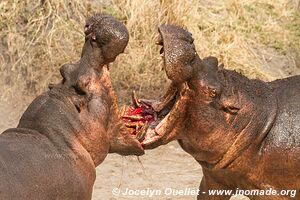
(244, 133)
(68, 131)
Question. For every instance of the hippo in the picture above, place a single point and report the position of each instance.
(244, 133)
(66, 132)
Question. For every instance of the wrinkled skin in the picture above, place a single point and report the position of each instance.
(244, 133)
(68, 131)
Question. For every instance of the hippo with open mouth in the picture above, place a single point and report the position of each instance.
(69, 130)
(244, 133)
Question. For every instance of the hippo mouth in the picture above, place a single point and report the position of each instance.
(152, 122)
(152, 125)
(142, 118)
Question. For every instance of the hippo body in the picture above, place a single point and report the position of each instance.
(245, 133)
(46, 160)
(280, 148)
(270, 157)
(68, 131)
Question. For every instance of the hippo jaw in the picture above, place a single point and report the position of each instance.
(178, 52)
(170, 118)
(168, 115)
(154, 126)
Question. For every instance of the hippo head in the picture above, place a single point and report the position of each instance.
(84, 105)
(194, 81)
(195, 85)
(108, 34)
(211, 111)
(105, 39)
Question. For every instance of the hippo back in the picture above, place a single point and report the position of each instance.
(41, 159)
(286, 130)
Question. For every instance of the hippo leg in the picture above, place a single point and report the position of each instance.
(209, 183)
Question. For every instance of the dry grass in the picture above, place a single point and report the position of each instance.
(259, 38)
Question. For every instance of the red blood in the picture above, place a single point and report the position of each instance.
(136, 117)
(134, 111)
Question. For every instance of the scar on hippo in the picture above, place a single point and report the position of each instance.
(243, 132)
(69, 130)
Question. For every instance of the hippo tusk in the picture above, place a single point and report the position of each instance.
(134, 124)
(135, 100)
(133, 117)
(141, 133)
(162, 132)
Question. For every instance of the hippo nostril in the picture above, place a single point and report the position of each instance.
(78, 108)
(161, 50)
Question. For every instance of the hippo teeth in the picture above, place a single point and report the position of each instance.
(137, 119)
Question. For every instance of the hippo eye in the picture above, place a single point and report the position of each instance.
(213, 93)
(231, 109)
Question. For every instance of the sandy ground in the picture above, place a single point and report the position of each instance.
(165, 168)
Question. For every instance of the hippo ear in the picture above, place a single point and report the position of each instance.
(209, 77)
(212, 62)
(66, 71)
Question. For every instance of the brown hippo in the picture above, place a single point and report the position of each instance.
(68, 131)
(244, 133)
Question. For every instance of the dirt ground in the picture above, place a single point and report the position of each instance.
(163, 168)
